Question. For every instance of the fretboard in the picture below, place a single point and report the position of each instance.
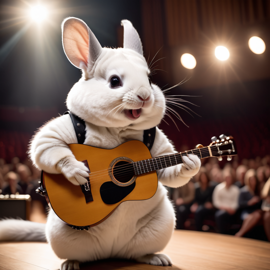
(162, 162)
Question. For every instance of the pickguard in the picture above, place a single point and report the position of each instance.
(112, 193)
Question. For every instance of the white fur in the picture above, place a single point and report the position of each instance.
(20, 230)
(135, 230)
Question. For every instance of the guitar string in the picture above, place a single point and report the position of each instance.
(98, 179)
(123, 167)
(166, 158)
(95, 177)
(205, 150)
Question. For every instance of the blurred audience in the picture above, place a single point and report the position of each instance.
(249, 203)
(266, 208)
(12, 187)
(183, 198)
(240, 175)
(225, 199)
(261, 176)
(2, 182)
(24, 177)
(202, 205)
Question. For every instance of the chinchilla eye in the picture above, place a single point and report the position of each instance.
(115, 82)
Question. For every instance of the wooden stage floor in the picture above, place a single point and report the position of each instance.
(188, 250)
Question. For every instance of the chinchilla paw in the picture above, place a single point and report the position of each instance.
(156, 259)
(191, 164)
(74, 170)
(70, 265)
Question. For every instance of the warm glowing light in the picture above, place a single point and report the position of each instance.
(222, 53)
(188, 61)
(256, 45)
(38, 13)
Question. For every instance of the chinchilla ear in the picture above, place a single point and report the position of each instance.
(131, 38)
(80, 44)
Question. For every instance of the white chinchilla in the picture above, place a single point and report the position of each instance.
(117, 102)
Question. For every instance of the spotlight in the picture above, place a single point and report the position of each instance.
(222, 53)
(188, 61)
(38, 13)
(256, 45)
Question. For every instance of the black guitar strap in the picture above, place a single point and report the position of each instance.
(79, 127)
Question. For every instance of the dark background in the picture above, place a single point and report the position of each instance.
(232, 96)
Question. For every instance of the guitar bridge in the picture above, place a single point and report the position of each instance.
(86, 188)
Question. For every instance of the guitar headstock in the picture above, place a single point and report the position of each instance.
(224, 146)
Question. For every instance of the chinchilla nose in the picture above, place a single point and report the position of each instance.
(143, 99)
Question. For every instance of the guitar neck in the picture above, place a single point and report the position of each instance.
(162, 162)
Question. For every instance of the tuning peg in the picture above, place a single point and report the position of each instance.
(214, 139)
(219, 158)
(229, 158)
(222, 136)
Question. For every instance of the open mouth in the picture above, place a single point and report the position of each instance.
(133, 114)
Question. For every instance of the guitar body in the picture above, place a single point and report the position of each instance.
(108, 192)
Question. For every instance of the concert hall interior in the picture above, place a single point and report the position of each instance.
(211, 60)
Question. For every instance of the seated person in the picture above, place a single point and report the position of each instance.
(183, 197)
(12, 187)
(266, 208)
(225, 199)
(202, 205)
(261, 177)
(24, 177)
(249, 203)
(240, 175)
(2, 182)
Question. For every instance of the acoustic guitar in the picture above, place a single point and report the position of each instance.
(125, 173)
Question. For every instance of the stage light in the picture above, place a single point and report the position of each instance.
(222, 53)
(188, 61)
(38, 13)
(256, 45)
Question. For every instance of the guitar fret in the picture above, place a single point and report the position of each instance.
(139, 166)
(149, 162)
(148, 169)
(159, 158)
(170, 160)
(165, 161)
(135, 168)
(153, 165)
(200, 152)
(156, 163)
(175, 159)
(142, 167)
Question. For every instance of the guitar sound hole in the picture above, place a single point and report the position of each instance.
(123, 171)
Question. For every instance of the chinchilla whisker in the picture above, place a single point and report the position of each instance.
(165, 121)
(113, 109)
(157, 69)
(177, 115)
(180, 83)
(123, 105)
(173, 121)
(181, 100)
(183, 96)
(154, 57)
(157, 61)
(183, 107)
